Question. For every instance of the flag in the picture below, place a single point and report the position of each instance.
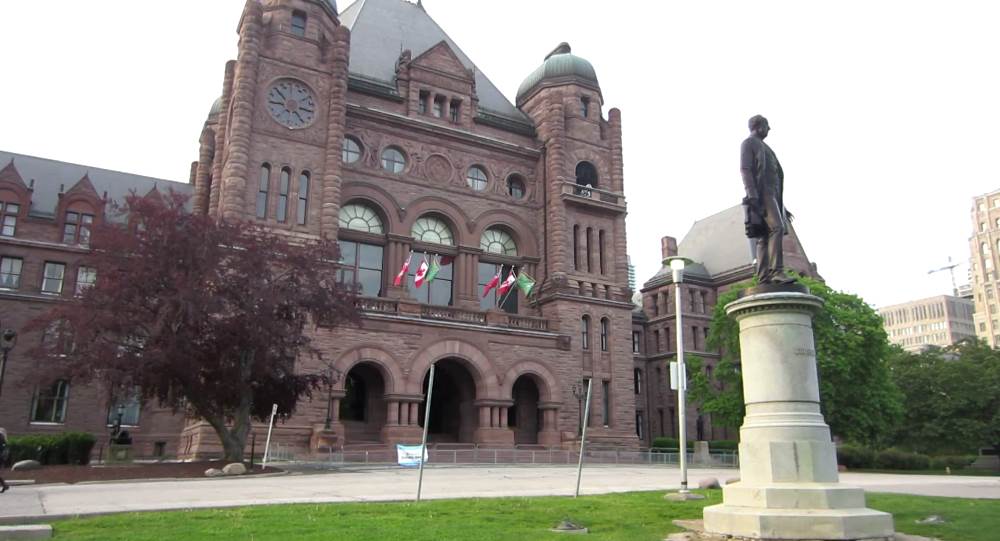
(525, 283)
(492, 283)
(402, 272)
(508, 283)
(434, 270)
(418, 277)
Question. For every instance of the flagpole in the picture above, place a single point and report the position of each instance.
(424, 455)
(583, 437)
(507, 294)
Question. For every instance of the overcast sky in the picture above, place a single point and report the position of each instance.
(883, 114)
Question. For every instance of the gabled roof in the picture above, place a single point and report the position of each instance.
(49, 175)
(381, 29)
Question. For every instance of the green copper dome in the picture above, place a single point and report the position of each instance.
(216, 107)
(560, 64)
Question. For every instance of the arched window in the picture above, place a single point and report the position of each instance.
(302, 209)
(585, 107)
(360, 218)
(298, 23)
(283, 182)
(497, 241)
(432, 230)
(586, 174)
(350, 150)
(476, 178)
(585, 332)
(605, 328)
(515, 186)
(262, 189)
(393, 160)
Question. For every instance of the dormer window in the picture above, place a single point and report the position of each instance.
(299, 23)
(8, 218)
(455, 105)
(76, 228)
(425, 97)
(439, 106)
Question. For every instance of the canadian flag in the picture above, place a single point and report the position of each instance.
(402, 272)
(508, 283)
(418, 277)
(492, 283)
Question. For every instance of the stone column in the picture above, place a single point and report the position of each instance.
(392, 412)
(789, 487)
(414, 413)
(503, 417)
(484, 417)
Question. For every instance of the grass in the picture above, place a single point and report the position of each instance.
(633, 516)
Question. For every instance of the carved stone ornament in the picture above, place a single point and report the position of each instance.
(438, 168)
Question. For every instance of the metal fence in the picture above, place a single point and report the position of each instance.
(508, 456)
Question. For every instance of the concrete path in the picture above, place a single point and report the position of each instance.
(396, 484)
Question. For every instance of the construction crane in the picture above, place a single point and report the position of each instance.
(950, 267)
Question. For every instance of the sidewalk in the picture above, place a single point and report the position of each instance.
(365, 485)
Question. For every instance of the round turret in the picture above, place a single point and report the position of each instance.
(560, 66)
(216, 107)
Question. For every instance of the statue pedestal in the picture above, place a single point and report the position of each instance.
(788, 486)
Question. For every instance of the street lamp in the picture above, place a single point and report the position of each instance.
(331, 381)
(677, 265)
(8, 338)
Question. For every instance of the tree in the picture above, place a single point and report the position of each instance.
(859, 400)
(203, 316)
(951, 398)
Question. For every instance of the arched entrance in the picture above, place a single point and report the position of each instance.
(363, 408)
(524, 417)
(453, 413)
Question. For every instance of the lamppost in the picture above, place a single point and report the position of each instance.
(677, 266)
(8, 338)
(116, 430)
(331, 381)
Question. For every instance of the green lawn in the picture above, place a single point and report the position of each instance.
(635, 516)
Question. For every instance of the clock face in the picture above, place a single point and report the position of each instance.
(291, 104)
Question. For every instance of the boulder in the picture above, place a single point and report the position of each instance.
(26, 465)
(708, 482)
(214, 472)
(236, 468)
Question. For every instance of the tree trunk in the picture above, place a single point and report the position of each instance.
(233, 439)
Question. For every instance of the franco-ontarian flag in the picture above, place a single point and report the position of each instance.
(525, 283)
(433, 271)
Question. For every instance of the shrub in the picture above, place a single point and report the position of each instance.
(955, 462)
(670, 443)
(724, 445)
(855, 457)
(894, 459)
(65, 448)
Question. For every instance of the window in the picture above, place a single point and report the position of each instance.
(606, 402)
(476, 178)
(492, 300)
(360, 218)
(585, 107)
(48, 405)
(361, 265)
(350, 150)
(432, 230)
(605, 325)
(85, 277)
(453, 112)
(52, 279)
(636, 341)
(302, 209)
(10, 272)
(298, 23)
(439, 291)
(130, 408)
(76, 228)
(982, 226)
(590, 236)
(262, 188)
(438, 106)
(497, 241)
(283, 183)
(637, 380)
(585, 332)
(8, 218)
(586, 174)
(638, 424)
(393, 160)
(656, 341)
(600, 249)
(576, 247)
(515, 186)
(666, 334)
(425, 97)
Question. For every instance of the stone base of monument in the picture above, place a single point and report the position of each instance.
(789, 486)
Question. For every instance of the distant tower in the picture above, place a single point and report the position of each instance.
(984, 246)
(631, 273)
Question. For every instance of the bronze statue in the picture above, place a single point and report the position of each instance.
(766, 217)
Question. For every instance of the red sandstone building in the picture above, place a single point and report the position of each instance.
(402, 146)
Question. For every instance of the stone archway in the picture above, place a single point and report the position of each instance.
(524, 417)
(363, 406)
(453, 411)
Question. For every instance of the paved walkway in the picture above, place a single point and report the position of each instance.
(396, 484)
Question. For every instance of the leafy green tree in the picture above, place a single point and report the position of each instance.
(859, 400)
(952, 398)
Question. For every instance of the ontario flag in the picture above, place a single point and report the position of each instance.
(402, 272)
(492, 283)
(418, 277)
(508, 283)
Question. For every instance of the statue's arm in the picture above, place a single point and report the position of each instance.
(749, 163)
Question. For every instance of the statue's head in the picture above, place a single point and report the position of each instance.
(759, 126)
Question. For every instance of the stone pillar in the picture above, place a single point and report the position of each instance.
(414, 413)
(335, 410)
(203, 171)
(503, 417)
(789, 487)
(494, 417)
(484, 417)
(392, 412)
(398, 250)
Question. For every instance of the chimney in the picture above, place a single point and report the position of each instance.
(668, 247)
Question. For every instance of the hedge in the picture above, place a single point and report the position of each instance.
(894, 459)
(714, 445)
(64, 448)
(855, 457)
